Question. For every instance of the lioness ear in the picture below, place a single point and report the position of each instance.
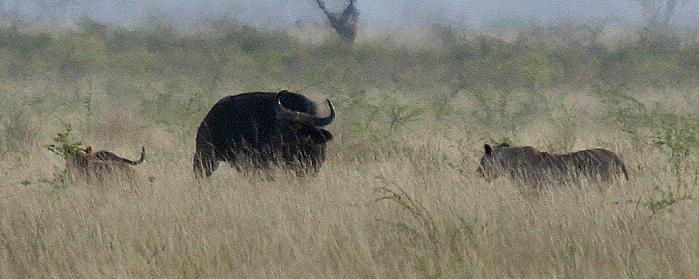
(488, 149)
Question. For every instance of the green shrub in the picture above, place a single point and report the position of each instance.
(64, 145)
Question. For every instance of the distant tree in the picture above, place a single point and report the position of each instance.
(656, 33)
(657, 13)
(345, 24)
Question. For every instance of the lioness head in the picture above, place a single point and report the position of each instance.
(78, 161)
(491, 165)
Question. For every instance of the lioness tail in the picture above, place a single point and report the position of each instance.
(143, 157)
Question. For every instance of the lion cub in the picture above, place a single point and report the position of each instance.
(102, 165)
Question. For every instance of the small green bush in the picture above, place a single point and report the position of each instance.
(64, 145)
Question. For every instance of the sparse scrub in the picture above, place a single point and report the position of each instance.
(17, 127)
(564, 124)
(399, 115)
(410, 127)
(64, 146)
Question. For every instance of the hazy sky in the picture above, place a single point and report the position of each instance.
(374, 13)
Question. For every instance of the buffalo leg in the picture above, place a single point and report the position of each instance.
(206, 160)
(205, 163)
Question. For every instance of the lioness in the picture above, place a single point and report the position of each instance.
(528, 165)
(102, 165)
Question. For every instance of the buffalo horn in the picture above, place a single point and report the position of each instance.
(323, 121)
(283, 113)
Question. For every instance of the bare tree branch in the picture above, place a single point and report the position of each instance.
(658, 13)
(346, 24)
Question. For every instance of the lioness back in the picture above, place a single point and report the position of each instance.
(597, 163)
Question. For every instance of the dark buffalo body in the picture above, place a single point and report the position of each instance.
(260, 130)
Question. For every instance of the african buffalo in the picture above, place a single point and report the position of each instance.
(259, 130)
(536, 168)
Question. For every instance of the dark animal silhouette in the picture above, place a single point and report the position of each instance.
(346, 24)
(259, 130)
(104, 155)
(102, 165)
(530, 166)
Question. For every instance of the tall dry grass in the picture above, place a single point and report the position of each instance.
(410, 206)
(398, 196)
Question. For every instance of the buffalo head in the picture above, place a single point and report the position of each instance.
(304, 128)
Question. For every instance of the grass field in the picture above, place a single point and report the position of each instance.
(398, 196)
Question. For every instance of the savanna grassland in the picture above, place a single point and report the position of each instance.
(398, 196)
